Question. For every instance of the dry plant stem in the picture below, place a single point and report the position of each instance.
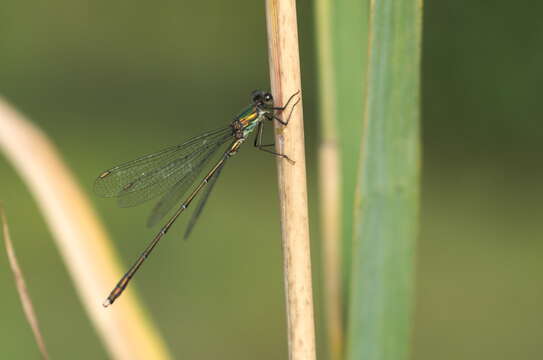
(331, 254)
(81, 239)
(329, 180)
(21, 288)
(285, 81)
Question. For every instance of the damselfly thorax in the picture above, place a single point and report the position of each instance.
(249, 119)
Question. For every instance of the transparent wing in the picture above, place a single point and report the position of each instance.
(174, 195)
(142, 179)
(203, 201)
(181, 171)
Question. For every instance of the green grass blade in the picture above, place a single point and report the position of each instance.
(386, 203)
(349, 36)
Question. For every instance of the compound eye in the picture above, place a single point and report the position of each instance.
(257, 97)
(268, 97)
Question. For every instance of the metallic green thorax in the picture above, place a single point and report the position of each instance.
(250, 117)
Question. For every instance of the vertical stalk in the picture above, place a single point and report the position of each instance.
(285, 81)
(350, 49)
(329, 180)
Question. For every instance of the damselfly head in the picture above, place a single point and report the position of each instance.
(260, 97)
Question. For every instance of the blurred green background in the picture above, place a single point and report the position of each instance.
(109, 81)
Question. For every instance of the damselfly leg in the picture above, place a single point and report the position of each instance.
(281, 109)
(273, 116)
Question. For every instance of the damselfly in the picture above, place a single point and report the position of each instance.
(172, 171)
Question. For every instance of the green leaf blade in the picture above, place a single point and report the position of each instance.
(386, 204)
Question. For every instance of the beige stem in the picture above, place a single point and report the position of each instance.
(20, 284)
(330, 209)
(80, 238)
(285, 81)
(329, 179)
